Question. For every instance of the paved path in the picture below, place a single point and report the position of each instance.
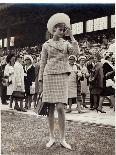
(92, 117)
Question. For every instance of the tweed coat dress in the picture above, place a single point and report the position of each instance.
(72, 82)
(54, 69)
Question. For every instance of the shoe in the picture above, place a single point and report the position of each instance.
(5, 103)
(64, 144)
(23, 110)
(50, 143)
(91, 108)
(17, 108)
(100, 110)
(26, 108)
(10, 108)
(80, 112)
(84, 106)
(68, 111)
(111, 106)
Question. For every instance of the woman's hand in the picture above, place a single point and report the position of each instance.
(68, 32)
(40, 87)
(87, 75)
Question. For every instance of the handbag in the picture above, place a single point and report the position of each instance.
(110, 83)
(5, 81)
(32, 88)
(41, 108)
(18, 95)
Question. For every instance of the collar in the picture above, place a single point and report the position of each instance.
(26, 68)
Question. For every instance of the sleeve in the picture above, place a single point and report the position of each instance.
(33, 77)
(73, 48)
(6, 71)
(43, 61)
(17, 75)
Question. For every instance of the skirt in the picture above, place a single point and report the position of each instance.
(72, 89)
(107, 91)
(55, 88)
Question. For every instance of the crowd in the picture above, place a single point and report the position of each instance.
(62, 73)
(83, 64)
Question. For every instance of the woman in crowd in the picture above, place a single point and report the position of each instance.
(90, 67)
(3, 81)
(95, 81)
(29, 79)
(19, 81)
(37, 67)
(108, 87)
(72, 84)
(9, 73)
(54, 71)
(1, 76)
(83, 79)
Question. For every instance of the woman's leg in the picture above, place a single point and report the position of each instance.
(70, 105)
(83, 96)
(51, 126)
(78, 106)
(61, 120)
(29, 101)
(95, 101)
(11, 101)
(35, 99)
(112, 99)
(100, 104)
(26, 102)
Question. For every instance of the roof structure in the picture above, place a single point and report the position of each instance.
(25, 17)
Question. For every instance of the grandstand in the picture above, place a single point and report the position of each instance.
(24, 25)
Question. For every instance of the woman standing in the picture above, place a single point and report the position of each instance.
(9, 73)
(29, 79)
(83, 79)
(19, 81)
(54, 71)
(108, 88)
(72, 84)
(37, 67)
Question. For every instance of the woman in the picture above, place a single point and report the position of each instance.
(29, 79)
(9, 73)
(107, 90)
(83, 79)
(37, 67)
(19, 81)
(72, 84)
(54, 71)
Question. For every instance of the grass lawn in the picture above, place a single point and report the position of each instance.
(23, 134)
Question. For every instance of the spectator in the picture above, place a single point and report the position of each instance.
(72, 84)
(83, 79)
(19, 81)
(9, 73)
(29, 79)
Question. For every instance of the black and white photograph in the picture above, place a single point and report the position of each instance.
(57, 78)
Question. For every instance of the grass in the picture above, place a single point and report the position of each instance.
(23, 134)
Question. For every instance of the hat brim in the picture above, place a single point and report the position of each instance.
(58, 18)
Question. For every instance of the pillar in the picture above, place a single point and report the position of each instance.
(8, 39)
(2, 42)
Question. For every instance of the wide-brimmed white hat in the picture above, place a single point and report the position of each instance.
(29, 57)
(58, 18)
(81, 57)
